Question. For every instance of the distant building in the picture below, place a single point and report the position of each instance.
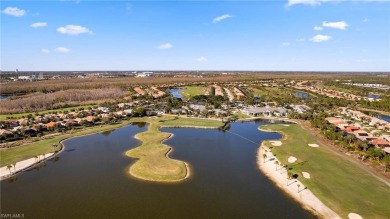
(143, 74)
(40, 76)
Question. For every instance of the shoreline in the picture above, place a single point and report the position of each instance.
(32, 164)
(304, 196)
(26, 165)
(187, 168)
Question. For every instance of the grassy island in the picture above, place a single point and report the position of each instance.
(336, 181)
(153, 163)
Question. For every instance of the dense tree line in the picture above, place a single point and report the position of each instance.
(59, 99)
(96, 83)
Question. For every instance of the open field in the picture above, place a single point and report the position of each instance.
(191, 91)
(22, 87)
(195, 122)
(20, 115)
(153, 162)
(12, 155)
(338, 183)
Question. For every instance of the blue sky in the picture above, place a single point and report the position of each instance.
(292, 35)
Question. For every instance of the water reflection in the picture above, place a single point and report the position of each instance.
(225, 181)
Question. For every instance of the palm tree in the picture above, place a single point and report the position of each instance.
(14, 164)
(281, 168)
(265, 157)
(276, 165)
(9, 168)
(54, 147)
(289, 175)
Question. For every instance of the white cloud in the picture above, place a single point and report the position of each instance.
(165, 46)
(336, 25)
(320, 38)
(304, 2)
(38, 24)
(319, 2)
(366, 20)
(73, 30)
(45, 50)
(318, 28)
(286, 44)
(13, 11)
(221, 18)
(201, 59)
(62, 50)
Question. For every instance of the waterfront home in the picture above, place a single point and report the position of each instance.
(218, 90)
(198, 107)
(380, 143)
(363, 135)
(139, 91)
(23, 121)
(90, 118)
(5, 133)
(50, 125)
(104, 109)
(238, 93)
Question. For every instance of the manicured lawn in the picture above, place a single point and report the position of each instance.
(152, 163)
(192, 122)
(242, 115)
(12, 155)
(191, 91)
(19, 115)
(337, 182)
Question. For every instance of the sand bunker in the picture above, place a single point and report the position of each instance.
(276, 143)
(286, 125)
(306, 175)
(292, 159)
(313, 145)
(354, 216)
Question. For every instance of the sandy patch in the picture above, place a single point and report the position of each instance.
(306, 175)
(22, 165)
(313, 145)
(292, 159)
(286, 125)
(354, 216)
(276, 143)
(303, 196)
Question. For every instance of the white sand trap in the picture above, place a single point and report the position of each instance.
(313, 145)
(276, 143)
(292, 159)
(354, 216)
(306, 175)
(286, 125)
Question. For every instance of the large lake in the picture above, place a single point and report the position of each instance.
(89, 180)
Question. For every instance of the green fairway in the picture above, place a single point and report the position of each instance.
(20, 115)
(337, 182)
(191, 91)
(153, 163)
(241, 115)
(191, 122)
(16, 154)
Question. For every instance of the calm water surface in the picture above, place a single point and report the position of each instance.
(176, 92)
(89, 180)
(302, 95)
